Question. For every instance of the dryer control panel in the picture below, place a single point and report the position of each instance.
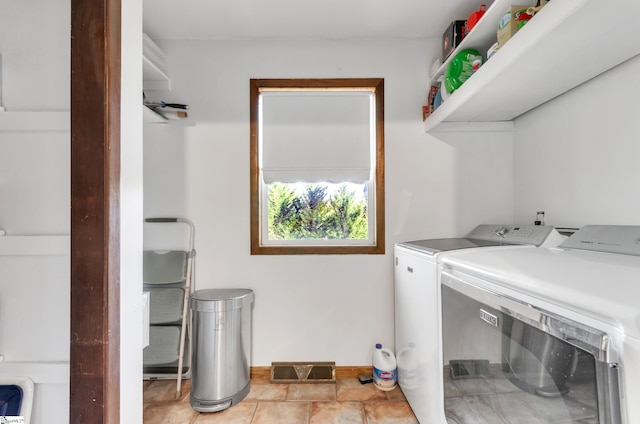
(622, 239)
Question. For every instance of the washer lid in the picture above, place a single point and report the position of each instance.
(486, 235)
(433, 246)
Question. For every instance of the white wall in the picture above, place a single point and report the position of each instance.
(576, 157)
(329, 308)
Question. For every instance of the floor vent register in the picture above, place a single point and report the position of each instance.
(303, 372)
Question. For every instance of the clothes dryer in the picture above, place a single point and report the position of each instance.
(551, 333)
(417, 303)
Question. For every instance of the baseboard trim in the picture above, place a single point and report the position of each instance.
(264, 373)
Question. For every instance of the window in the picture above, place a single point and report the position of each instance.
(317, 166)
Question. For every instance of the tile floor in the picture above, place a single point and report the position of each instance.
(346, 402)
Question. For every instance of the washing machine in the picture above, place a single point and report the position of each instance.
(551, 334)
(417, 303)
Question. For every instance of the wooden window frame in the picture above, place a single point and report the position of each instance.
(377, 87)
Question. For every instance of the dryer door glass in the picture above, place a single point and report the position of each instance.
(499, 366)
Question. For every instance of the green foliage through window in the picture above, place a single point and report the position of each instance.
(317, 212)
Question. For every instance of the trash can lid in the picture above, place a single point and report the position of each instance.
(210, 300)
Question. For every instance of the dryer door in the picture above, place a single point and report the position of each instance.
(505, 359)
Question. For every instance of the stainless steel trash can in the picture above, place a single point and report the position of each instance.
(221, 348)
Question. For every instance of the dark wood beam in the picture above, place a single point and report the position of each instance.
(95, 209)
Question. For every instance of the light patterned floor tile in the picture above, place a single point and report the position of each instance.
(337, 413)
(267, 392)
(389, 413)
(282, 412)
(168, 413)
(351, 389)
(163, 390)
(312, 392)
(241, 413)
(396, 394)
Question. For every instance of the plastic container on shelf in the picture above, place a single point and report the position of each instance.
(438, 99)
(384, 368)
(474, 17)
(444, 94)
(463, 65)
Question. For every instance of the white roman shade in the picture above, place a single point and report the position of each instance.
(316, 136)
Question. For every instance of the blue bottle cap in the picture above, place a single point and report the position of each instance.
(378, 346)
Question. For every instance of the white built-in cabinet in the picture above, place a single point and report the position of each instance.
(567, 43)
(34, 256)
(39, 122)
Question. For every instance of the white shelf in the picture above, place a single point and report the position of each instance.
(154, 73)
(35, 121)
(483, 34)
(502, 126)
(34, 245)
(567, 43)
(153, 77)
(150, 117)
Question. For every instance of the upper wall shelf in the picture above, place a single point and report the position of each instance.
(154, 72)
(150, 117)
(567, 43)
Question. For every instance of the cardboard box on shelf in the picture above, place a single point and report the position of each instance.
(511, 22)
(452, 37)
(429, 107)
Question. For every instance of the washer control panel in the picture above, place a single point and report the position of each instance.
(512, 234)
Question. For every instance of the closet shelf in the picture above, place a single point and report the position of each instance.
(150, 117)
(33, 121)
(567, 43)
(154, 72)
(34, 245)
(155, 77)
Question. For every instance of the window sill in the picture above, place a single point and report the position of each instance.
(319, 250)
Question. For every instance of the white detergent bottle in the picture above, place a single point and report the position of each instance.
(384, 368)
